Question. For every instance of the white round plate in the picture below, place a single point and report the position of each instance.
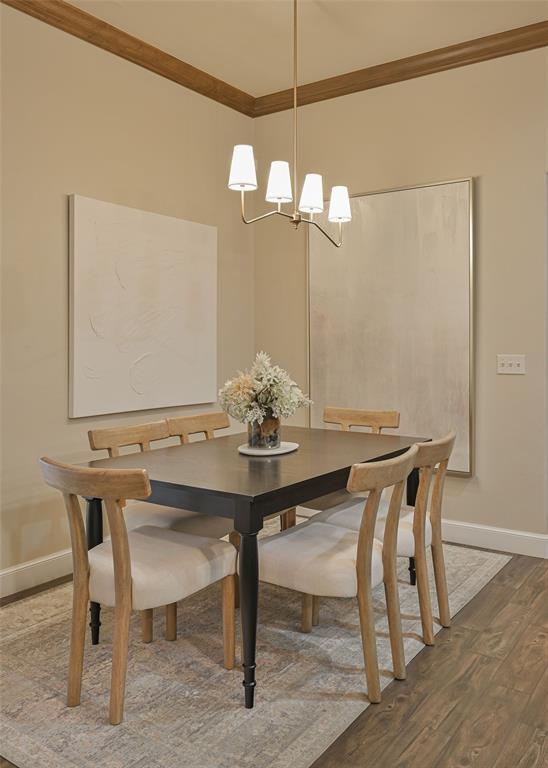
(284, 448)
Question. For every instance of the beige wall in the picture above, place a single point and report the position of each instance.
(488, 121)
(77, 119)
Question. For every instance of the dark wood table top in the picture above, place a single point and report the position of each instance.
(215, 466)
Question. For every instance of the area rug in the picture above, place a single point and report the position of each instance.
(182, 708)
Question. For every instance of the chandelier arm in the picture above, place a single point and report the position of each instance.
(322, 230)
(276, 212)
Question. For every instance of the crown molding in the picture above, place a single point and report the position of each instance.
(440, 60)
(71, 19)
(76, 22)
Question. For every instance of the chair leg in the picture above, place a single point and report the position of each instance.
(234, 538)
(171, 621)
(369, 643)
(306, 619)
(441, 582)
(229, 627)
(315, 611)
(146, 625)
(288, 519)
(394, 625)
(120, 640)
(77, 641)
(425, 605)
(412, 572)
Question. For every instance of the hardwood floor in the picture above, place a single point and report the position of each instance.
(477, 699)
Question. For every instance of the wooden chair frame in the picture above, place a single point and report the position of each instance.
(113, 486)
(112, 439)
(354, 417)
(375, 477)
(197, 424)
(431, 461)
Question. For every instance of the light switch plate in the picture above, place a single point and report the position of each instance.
(511, 364)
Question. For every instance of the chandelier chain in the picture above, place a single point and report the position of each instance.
(295, 73)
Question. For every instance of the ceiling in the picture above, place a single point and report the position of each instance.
(248, 43)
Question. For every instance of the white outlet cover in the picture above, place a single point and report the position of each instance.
(511, 364)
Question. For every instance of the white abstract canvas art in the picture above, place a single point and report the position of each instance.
(390, 313)
(143, 310)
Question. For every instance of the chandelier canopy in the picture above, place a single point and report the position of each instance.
(243, 178)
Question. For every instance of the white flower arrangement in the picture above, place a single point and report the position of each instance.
(265, 390)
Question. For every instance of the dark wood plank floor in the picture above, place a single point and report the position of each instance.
(477, 699)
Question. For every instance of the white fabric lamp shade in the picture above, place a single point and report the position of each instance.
(339, 205)
(278, 189)
(312, 195)
(242, 169)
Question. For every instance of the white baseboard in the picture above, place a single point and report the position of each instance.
(35, 572)
(489, 537)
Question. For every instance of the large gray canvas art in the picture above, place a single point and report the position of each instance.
(143, 310)
(390, 319)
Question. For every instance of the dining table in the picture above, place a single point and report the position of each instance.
(211, 477)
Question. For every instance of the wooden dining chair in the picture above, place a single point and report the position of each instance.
(143, 569)
(419, 528)
(139, 513)
(347, 418)
(319, 559)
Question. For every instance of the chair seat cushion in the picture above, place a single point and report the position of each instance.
(139, 513)
(166, 566)
(349, 515)
(315, 558)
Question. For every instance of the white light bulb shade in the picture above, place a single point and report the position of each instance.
(278, 189)
(339, 205)
(312, 195)
(242, 169)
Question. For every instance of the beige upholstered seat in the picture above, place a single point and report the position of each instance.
(166, 566)
(317, 559)
(349, 513)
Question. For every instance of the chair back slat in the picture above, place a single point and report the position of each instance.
(377, 475)
(432, 460)
(96, 483)
(436, 451)
(114, 438)
(354, 417)
(200, 423)
(112, 485)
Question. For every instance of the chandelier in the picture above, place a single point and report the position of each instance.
(243, 178)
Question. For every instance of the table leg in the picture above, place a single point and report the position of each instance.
(94, 530)
(249, 593)
(412, 489)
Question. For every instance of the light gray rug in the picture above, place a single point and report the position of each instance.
(182, 707)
